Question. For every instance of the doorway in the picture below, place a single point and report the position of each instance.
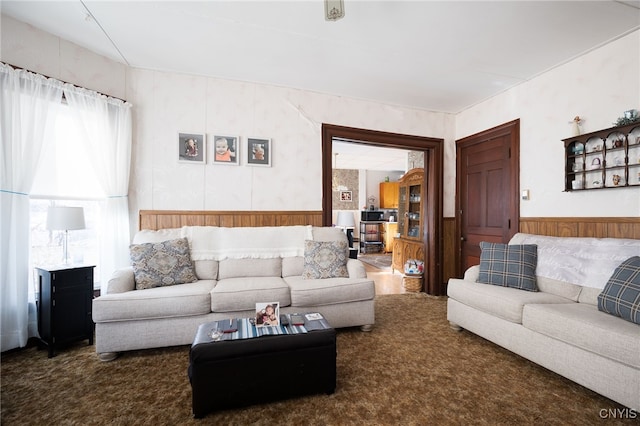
(433, 157)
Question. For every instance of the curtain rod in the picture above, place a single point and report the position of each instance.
(66, 82)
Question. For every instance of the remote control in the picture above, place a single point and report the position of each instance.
(284, 320)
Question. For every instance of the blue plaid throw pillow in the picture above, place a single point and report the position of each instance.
(509, 265)
(621, 294)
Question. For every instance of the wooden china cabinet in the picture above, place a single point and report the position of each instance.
(409, 244)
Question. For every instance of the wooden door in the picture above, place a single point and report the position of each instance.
(487, 190)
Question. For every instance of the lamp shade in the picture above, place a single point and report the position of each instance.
(345, 220)
(65, 218)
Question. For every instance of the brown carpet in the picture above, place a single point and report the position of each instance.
(411, 369)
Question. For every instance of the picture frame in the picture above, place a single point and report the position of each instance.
(226, 150)
(259, 152)
(267, 314)
(346, 196)
(192, 148)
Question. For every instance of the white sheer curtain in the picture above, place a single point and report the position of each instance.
(25, 107)
(107, 132)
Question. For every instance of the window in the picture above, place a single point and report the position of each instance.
(64, 177)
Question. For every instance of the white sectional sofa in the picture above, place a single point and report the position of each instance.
(560, 326)
(235, 268)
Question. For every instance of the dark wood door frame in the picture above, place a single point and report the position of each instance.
(511, 130)
(434, 160)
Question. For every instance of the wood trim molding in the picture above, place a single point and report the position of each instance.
(162, 219)
(433, 149)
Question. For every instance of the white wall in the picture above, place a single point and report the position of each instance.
(598, 87)
(166, 103)
(27, 47)
(373, 179)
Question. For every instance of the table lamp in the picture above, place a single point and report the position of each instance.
(345, 220)
(63, 218)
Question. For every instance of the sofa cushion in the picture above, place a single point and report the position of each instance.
(162, 263)
(325, 259)
(292, 266)
(504, 302)
(206, 269)
(237, 268)
(328, 291)
(242, 293)
(328, 233)
(589, 295)
(559, 288)
(508, 265)
(160, 302)
(621, 294)
(583, 326)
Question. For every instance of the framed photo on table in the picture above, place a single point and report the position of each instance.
(191, 148)
(259, 152)
(226, 150)
(267, 314)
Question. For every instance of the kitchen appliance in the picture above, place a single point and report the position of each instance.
(371, 216)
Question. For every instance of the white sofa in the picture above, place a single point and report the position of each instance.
(236, 268)
(559, 327)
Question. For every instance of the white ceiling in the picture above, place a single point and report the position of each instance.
(434, 55)
(357, 156)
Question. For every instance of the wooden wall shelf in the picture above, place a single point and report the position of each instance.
(608, 158)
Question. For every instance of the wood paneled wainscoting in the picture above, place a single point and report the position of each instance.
(163, 219)
(449, 248)
(598, 227)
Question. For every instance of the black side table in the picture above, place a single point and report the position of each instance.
(64, 309)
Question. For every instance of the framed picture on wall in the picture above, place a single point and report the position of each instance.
(191, 148)
(259, 152)
(346, 196)
(226, 150)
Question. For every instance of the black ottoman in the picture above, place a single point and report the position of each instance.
(241, 372)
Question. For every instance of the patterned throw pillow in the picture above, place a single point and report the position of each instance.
(325, 259)
(509, 265)
(162, 264)
(621, 294)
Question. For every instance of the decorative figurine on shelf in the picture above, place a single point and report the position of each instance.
(577, 148)
(616, 180)
(630, 116)
(372, 201)
(575, 125)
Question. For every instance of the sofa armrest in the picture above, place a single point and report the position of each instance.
(472, 273)
(356, 269)
(122, 280)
